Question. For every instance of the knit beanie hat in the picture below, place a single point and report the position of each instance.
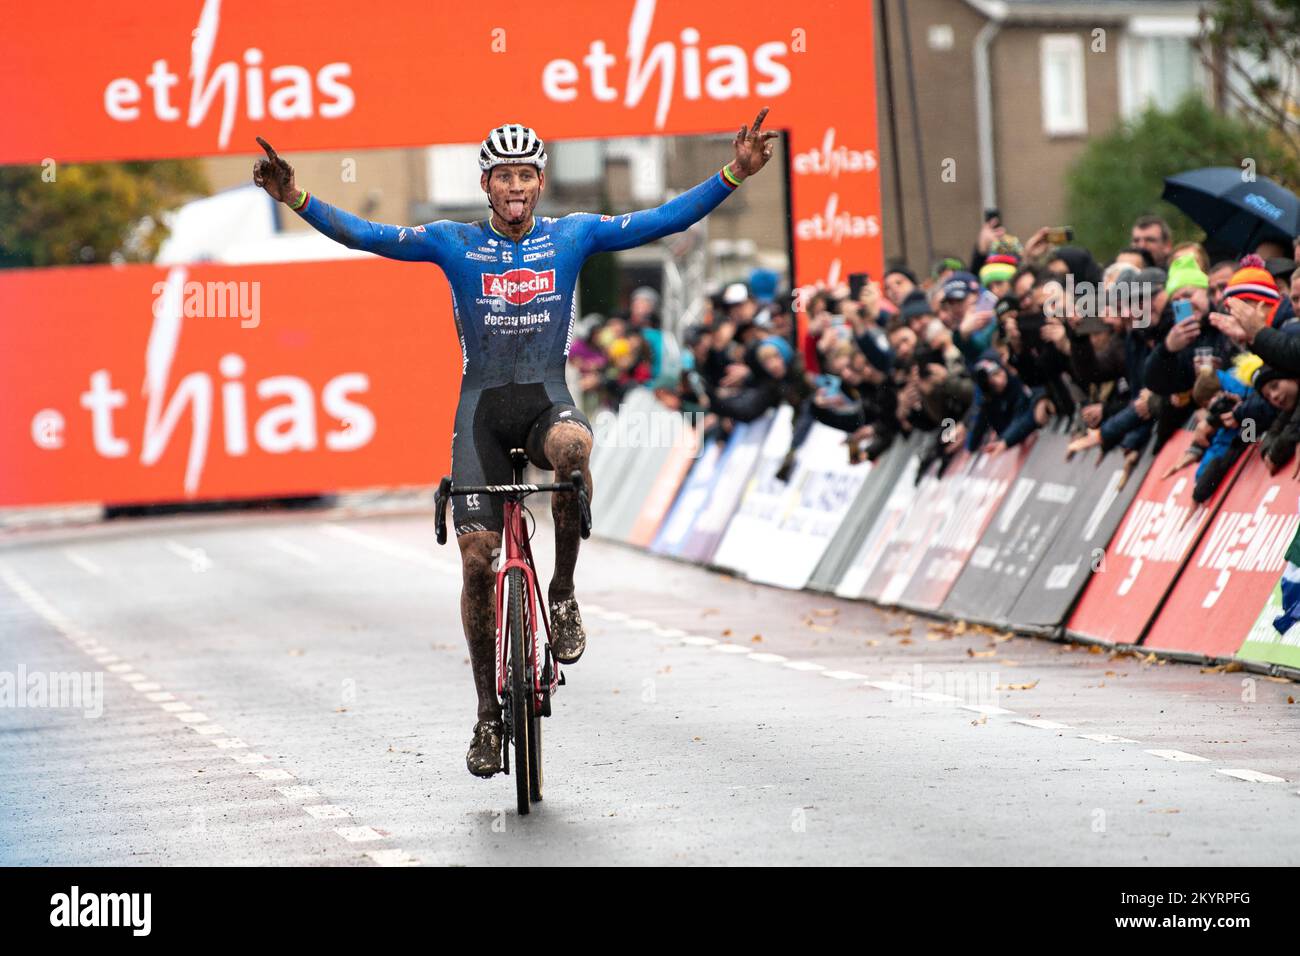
(1253, 283)
(999, 267)
(1186, 271)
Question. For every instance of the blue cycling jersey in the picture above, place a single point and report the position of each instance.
(514, 300)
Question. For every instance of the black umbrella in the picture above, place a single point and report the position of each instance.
(1234, 212)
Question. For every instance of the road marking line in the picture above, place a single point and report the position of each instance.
(392, 858)
(765, 658)
(383, 546)
(934, 696)
(698, 641)
(148, 686)
(135, 677)
(105, 658)
(120, 668)
(615, 615)
(804, 666)
(176, 706)
(1178, 755)
(274, 774)
(731, 649)
(326, 811)
(594, 608)
(639, 624)
(1253, 776)
(210, 730)
(1041, 724)
(844, 675)
(193, 717)
(83, 562)
(159, 696)
(229, 743)
(359, 834)
(670, 632)
(1108, 738)
(988, 710)
(298, 793)
(250, 758)
(294, 550)
(196, 558)
(889, 685)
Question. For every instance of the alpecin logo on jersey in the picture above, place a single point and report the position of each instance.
(518, 286)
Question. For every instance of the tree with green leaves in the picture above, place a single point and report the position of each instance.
(1120, 176)
(1252, 50)
(70, 214)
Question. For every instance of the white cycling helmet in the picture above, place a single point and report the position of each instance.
(510, 144)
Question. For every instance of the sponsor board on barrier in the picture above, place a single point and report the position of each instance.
(1132, 577)
(1081, 538)
(822, 488)
(970, 504)
(1265, 643)
(734, 470)
(666, 485)
(860, 578)
(691, 498)
(875, 488)
(1031, 513)
(763, 499)
(905, 547)
(1236, 565)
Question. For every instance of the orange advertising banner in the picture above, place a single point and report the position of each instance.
(136, 80)
(143, 384)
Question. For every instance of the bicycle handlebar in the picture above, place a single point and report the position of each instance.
(447, 490)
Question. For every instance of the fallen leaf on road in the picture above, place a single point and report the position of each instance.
(971, 652)
(1030, 686)
(900, 630)
(727, 633)
(1096, 649)
(873, 643)
(1009, 663)
(1002, 638)
(905, 640)
(756, 639)
(295, 652)
(826, 611)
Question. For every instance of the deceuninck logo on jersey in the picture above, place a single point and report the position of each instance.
(518, 286)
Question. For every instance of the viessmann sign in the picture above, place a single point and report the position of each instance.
(139, 80)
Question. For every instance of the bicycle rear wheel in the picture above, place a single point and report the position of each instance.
(521, 691)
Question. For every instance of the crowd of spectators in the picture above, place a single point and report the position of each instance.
(980, 354)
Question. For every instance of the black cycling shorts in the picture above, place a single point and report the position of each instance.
(489, 423)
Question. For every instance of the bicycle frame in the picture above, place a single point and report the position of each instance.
(516, 552)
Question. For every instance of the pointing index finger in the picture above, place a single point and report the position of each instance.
(269, 151)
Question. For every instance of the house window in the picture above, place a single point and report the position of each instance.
(1065, 110)
(1157, 71)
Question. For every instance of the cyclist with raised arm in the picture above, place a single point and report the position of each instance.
(513, 277)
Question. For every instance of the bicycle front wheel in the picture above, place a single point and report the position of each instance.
(521, 690)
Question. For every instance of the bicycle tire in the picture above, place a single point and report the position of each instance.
(521, 695)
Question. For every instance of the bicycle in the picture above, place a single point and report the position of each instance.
(524, 688)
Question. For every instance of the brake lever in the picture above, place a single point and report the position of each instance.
(440, 509)
(584, 507)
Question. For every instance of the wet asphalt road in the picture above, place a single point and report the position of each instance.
(294, 689)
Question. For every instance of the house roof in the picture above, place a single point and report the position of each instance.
(1082, 11)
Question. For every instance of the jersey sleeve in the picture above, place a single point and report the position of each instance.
(612, 233)
(425, 243)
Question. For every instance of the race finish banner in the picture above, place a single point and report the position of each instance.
(1081, 538)
(1132, 578)
(189, 78)
(970, 504)
(1238, 563)
(1039, 502)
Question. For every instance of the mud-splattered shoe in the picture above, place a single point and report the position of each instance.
(568, 640)
(484, 756)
